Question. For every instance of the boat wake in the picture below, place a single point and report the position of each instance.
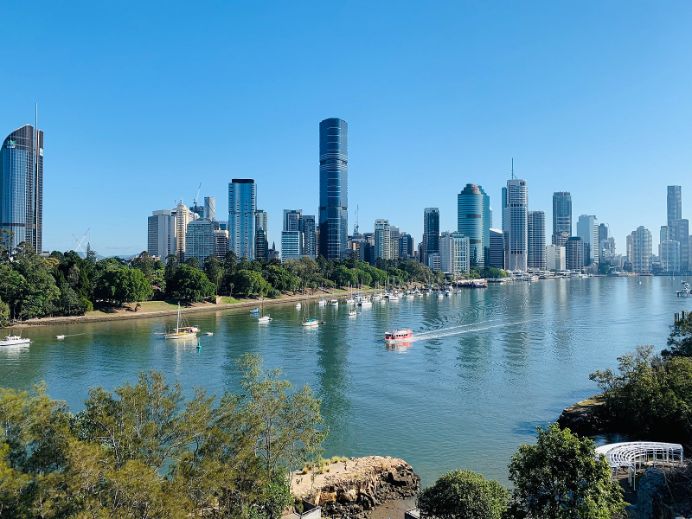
(466, 328)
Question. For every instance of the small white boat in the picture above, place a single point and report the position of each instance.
(264, 319)
(333, 302)
(322, 302)
(60, 337)
(350, 301)
(255, 310)
(365, 303)
(311, 322)
(209, 334)
(181, 332)
(440, 295)
(14, 340)
(410, 297)
(298, 306)
(352, 313)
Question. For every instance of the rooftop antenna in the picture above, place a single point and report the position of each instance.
(355, 230)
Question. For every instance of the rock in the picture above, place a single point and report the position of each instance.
(353, 487)
(584, 418)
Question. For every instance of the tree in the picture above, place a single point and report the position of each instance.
(562, 478)
(680, 338)
(250, 283)
(190, 285)
(463, 494)
(4, 313)
(119, 285)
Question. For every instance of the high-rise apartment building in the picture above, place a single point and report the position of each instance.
(21, 188)
(210, 208)
(333, 210)
(640, 250)
(221, 243)
(562, 217)
(515, 203)
(183, 217)
(669, 256)
(454, 253)
(242, 208)
(680, 232)
(383, 239)
(200, 241)
(309, 229)
(555, 257)
(536, 234)
(587, 230)
(161, 234)
(261, 245)
(431, 232)
(473, 220)
(394, 235)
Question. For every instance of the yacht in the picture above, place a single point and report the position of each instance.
(352, 313)
(14, 340)
(181, 332)
(264, 319)
(311, 322)
(365, 303)
(333, 302)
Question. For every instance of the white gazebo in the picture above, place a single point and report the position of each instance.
(632, 456)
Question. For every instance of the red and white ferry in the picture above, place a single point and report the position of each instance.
(403, 335)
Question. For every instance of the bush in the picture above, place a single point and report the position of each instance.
(463, 494)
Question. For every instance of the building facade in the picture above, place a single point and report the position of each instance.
(641, 250)
(497, 249)
(21, 188)
(220, 243)
(515, 199)
(405, 246)
(309, 229)
(242, 208)
(183, 217)
(431, 233)
(200, 241)
(161, 234)
(536, 233)
(669, 255)
(587, 230)
(333, 210)
(574, 253)
(674, 204)
(473, 215)
(555, 258)
(383, 239)
(562, 217)
(210, 208)
(454, 254)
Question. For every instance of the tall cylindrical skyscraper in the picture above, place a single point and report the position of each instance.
(473, 209)
(333, 211)
(21, 188)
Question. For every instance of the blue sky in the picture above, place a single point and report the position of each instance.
(142, 101)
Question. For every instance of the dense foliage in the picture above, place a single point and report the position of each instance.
(142, 451)
(68, 284)
(463, 494)
(561, 477)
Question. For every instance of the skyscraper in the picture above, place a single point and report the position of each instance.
(473, 214)
(21, 188)
(242, 206)
(210, 208)
(536, 236)
(679, 231)
(587, 230)
(161, 234)
(183, 216)
(333, 211)
(309, 236)
(674, 204)
(641, 250)
(454, 253)
(515, 203)
(497, 249)
(261, 245)
(562, 217)
(200, 241)
(405, 246)
(431, 232)
(574, 252)
(221, 244)
(394, 235)
(383, 247)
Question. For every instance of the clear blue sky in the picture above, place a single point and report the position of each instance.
(142, 101)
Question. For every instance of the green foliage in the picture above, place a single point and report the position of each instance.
(4, 313)
(143, 451)
(562, 478)
(463, 494)
(680, 338)
(250, 283)
(649, 395)
(281, 278)
(122, 284)
(189, 284)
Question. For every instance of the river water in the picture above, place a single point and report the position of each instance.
(487, 368)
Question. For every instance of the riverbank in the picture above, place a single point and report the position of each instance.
(154, 309)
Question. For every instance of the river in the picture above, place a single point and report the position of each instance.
(493, 365)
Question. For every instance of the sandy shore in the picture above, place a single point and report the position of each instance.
(127, 313)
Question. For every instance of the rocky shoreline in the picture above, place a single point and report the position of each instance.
(353, 487)
(585, 417)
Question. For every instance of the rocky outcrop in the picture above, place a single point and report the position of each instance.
(352, 487)
(585, 418)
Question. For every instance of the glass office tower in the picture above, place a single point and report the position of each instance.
(473, 221)
(562, 217)
(242, 208)
(333, 211)
(21, 188)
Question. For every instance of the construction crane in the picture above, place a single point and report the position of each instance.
(199, 188)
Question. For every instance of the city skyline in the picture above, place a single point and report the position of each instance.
(419, 127)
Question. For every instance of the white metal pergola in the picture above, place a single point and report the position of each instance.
(634, 455)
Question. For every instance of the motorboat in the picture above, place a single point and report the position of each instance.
(15, 340)
(352, 313)
(402, 335)
(322, 302)
(685, 291)
(60, 337)
(350, 301)
(298, 306)
(365, 303)
(333, 302)
(264, 319)
(311, 322)
(209, 334)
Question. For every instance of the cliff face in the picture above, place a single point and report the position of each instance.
(353, 487)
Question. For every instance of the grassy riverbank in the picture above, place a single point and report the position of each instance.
(153, 309)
